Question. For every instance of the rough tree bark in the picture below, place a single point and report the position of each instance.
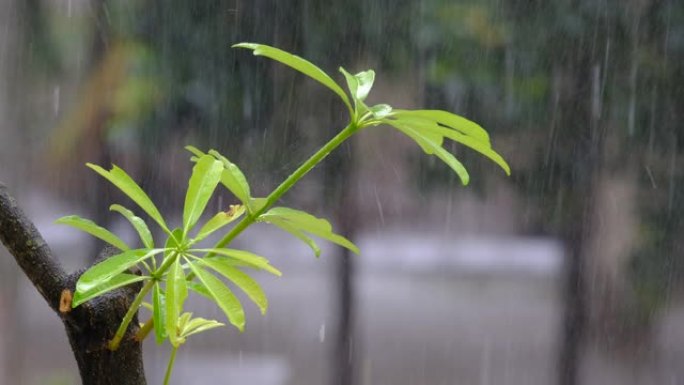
(90, 325)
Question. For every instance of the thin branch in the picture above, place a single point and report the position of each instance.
(24, 242)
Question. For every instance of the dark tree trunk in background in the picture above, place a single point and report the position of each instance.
(89, 326)
(579, 129)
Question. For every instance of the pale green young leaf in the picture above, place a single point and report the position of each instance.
(176, 293)
(242, 256)
(233, 178)
(111, 267)
(453, 121)
(302, 65)
(380, 111)
(138, 224)
(430, 147)
(205, 177)
(115, 282)
(198, 325)
(91, 228)
(218, 221)
(159, 313)
(183, 321)
(241, 280)
(223, 297)
(127, 185)
(359, 84)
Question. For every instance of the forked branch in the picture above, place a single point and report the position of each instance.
(24, 242)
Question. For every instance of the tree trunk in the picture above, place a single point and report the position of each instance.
(89, 326)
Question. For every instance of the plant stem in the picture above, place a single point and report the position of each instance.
(289, 182)
(169, 368)
(144, 330)
(114, 343)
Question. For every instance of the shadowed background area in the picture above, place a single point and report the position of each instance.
(568, 272)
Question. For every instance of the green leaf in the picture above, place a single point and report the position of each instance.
(198, 325)
(111, 267)
(430, 147)
(242, 256)
(308, 223)
(380, 111)
(256, 204)
(115, 282)
(299, 64)
(359, 84)
(127, 185)
(91, 228)
(218, 221)
(138, 224)
(286, 226)
(241, 280)
(176, 293)
(233, 178)
(453, 121)
(477, 145)
(223, 297)
(195, 151)
(205, 177)
(159, 313)
(199, 288)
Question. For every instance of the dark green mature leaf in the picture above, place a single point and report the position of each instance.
(127, 185)
(242, 256)
(307, 223)
(115, 282)
(427, 142)
(106, 270)
(205, 177)
(176, 293)
(223, 297)
(302, 65)
(91, 228)
(218, 221)
(138, 224)
(159, 313)
(456, 122)
(241, 280)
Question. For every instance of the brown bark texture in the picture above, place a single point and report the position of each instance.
(89, 326)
